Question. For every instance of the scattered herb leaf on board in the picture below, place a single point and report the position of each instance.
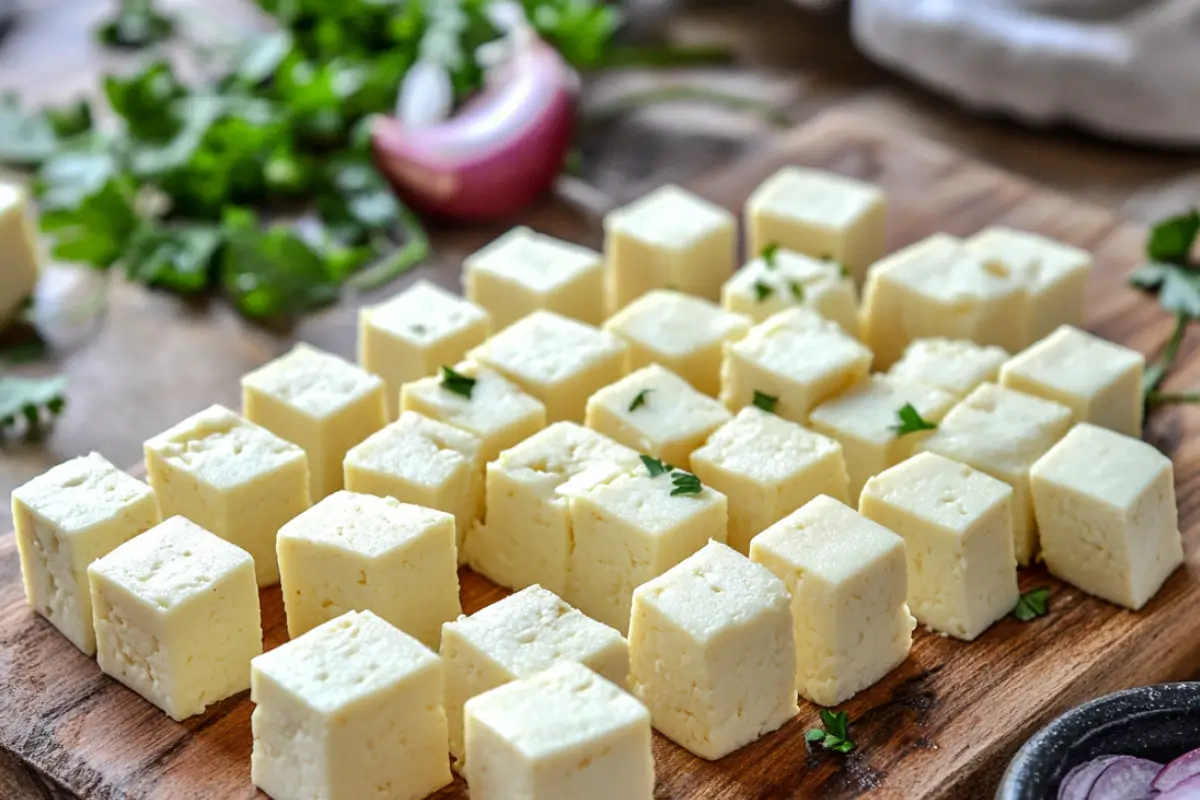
(834, 734)
(765, 401)
(911, 421)
(639, 400)
(1033, 604)
(457, 382)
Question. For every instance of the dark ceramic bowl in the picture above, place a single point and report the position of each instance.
(1156, 722)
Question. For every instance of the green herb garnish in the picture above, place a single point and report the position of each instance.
(1033, 604)
(911, 421)
(765, 401)
(685, 483)
(835, 735)
(797, 291)
(654, 466)
(35, 400)
(1156, 372)
(768, 255)
(457, 382)
(762, 291)
(1170, 273)
(639, 400)
(137, 24)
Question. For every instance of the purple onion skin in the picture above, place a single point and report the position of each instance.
(1178, 771)
(1078, 782)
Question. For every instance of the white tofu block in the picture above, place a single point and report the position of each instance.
(1106, 509)
(176, 616)
(359, 552)
(820, 214)
(656, 412)
(957, 528)
(847, 581)
(956, 366)
(528, 535)
(767, 467)
(66, 518)
(759, 289)
(559, 361)
(230, 477)
(711, 652)
(415, 333)
(1001, 432)
(518, 637)
(318, 401)
(1100, 381)
(350, 710)
(524, 271)
(20, 264)
(685, 334)
(670, 238)
(563, 733)
(797, 357)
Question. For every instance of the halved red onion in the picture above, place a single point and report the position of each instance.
(1178, 771)
(1078, 782)
(1125, 778)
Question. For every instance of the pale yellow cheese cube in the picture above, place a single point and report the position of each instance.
(820, 214)
(528, 536)
(711, 652)
(524, 271)
(864, 421)
(768, 467)
(1001, 432)
(670, 238)
(685, 334)
(318, 401)
(1100, 381)
(518, 637)
(66, 518)
(957, 529)
(1106, 509)
(847, 581)
(176, 616)
(761, 289)
(798, 358)
(19, 265)
(359, 552)
(231, 477)
(956, 366)
(656, 412)
(414, 333)
(880, 307)
(350, 710)
(563, 733)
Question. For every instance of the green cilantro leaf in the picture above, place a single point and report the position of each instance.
(835, 736)
(87, 207)
(762, 291)
(685, 483)
(765, 401)
(911, 421)
(768, 255)
(71, 120)
(654, 466)
(146, 101)
(137, 24)
(26, 140)
(639, 400)
(457, 382)
(1172, 239)
(1033, 604)
(1178, 288)
(35, 400)
(797, 291)
(815, 735)
(177, 258)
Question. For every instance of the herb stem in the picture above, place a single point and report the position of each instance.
(685, 94)
(1172, 398)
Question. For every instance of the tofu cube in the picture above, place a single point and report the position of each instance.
(359, 552)
(670, 238)
(711, 652)
(656, 412)
(518, 637)
(768, 467)
(524, 271)
(847, 581)
(176, 616)
(956, 366)
(1001, 432)
(563, 733)
(1100, 381)
(1106, 508)
(797, 357)
(351, 709)
(820, 214)
(230, 477)
(414, 333)
(957, 528)
(864, 422)
(318, 401)
(528, 535)
(18, 243)
(685, 334)
(66, 518)
(760, 290)
(559, 361)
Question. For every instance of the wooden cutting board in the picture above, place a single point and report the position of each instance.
(942, 725)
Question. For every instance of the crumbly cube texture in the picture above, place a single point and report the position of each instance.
(767, 467)
(670, 238)
(563, 733)
(19, 276)
(352, 709)
(528, 535)
(846, 577)
(711, 652)
(358, 552)
(798, 357)
(1100, 381)
(759, 289)
(318, 401)
(670, 420)
(957, 528)
(518, 637)
(864, 419)
(559, 361)
(176, 616)
(956, 366)
(524, 271)
(416, 332)
(819, 214)
(66, 518)
(1106, 508)
(683, 333)
(498, 411)
(231, 477)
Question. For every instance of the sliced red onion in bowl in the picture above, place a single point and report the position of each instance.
(1079, 781)
(1132, 778)
(1125, 778)
(1186, 790)
(1178, 771)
